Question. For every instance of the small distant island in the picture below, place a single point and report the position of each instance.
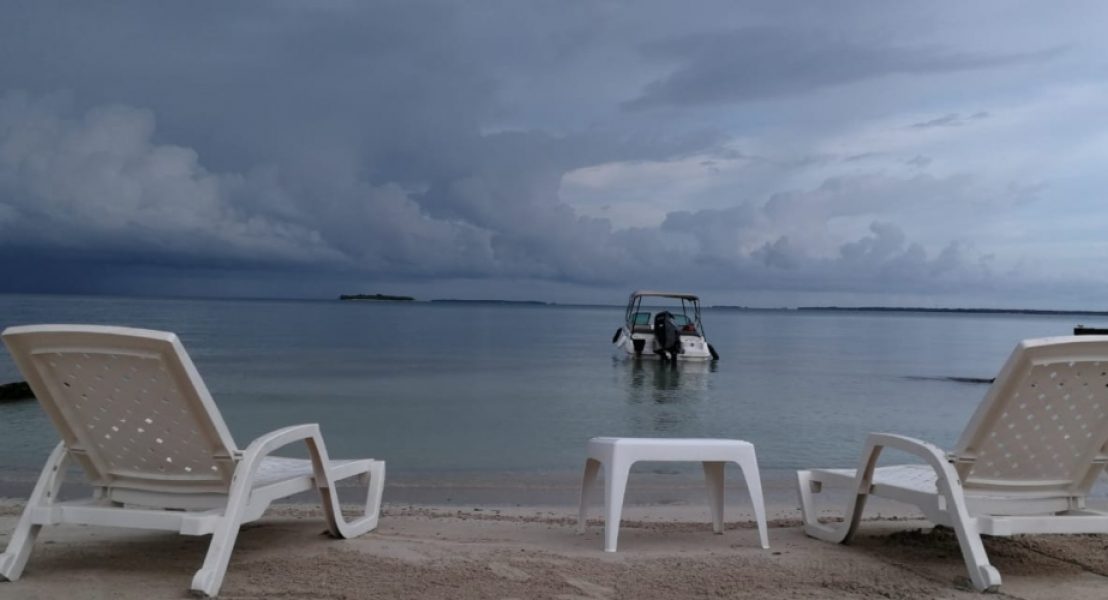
(377, 297)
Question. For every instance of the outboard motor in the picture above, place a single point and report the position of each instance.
(666, 339)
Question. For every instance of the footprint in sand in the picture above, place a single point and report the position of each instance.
(509, 572)
(589, 590)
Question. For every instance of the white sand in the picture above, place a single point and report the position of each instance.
(459, 553)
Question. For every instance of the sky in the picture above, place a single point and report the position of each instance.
(776, 153)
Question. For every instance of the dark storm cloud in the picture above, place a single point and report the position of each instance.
(97, 189)
(98, 185)
(342, 135)
(763, 62)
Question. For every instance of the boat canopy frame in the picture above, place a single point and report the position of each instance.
(634, 303)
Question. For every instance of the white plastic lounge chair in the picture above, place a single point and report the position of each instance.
(1024, 464)
(135, 415)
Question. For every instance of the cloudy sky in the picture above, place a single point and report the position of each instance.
(761, 153)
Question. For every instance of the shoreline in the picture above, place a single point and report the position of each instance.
(500, 489)
(650, 484)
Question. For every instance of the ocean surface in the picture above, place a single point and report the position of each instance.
(488, 390)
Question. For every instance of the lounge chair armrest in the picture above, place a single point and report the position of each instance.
(322, 474)
(266, 444)
(934, 455)
(274, 440)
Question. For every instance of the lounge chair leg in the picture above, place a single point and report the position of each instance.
(22, 540)
(209, 578)
(328, 494)
(807, 486)
(749, 465)
(615, 485)
(985, 577)
(374, 493)
(337, 524)
(588, 482)
(713, 476)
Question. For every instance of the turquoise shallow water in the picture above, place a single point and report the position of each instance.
(496, 389)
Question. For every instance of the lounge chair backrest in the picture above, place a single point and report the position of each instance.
(1043, 425)
(129, 405)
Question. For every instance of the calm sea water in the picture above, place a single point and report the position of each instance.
(438, 388)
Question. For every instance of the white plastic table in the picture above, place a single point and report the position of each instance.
(618, 454)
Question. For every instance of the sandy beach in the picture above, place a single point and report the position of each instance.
(534, 552)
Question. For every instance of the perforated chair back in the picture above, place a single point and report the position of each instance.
(129, 405)
(1042, 428)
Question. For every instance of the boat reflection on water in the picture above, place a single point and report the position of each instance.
(664, 383)
(664, 399)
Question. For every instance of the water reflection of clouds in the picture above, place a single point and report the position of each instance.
(662, 399)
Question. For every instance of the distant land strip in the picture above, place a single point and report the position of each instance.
(987, 311)
(899, 309)
(457, 301)
(975, 311)
(384, 297)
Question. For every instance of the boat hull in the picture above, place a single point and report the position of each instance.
(694, 347)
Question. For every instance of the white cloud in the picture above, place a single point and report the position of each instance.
(100, 181)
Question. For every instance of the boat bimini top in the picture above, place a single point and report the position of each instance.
(690, 303)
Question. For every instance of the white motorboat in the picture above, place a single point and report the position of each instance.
(664, 325)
